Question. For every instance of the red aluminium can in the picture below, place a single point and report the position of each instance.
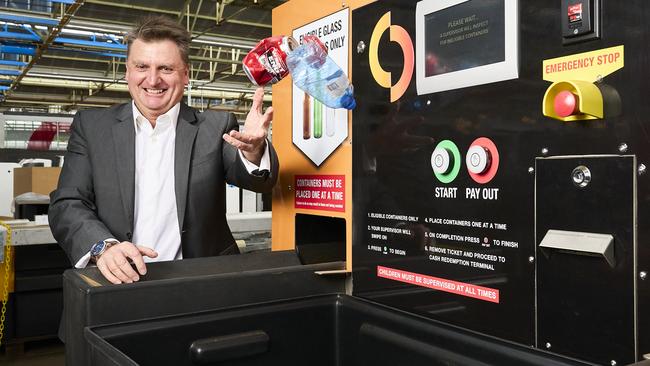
(266, 63)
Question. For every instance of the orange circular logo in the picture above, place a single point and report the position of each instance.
(381, 76)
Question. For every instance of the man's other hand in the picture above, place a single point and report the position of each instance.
(252, 140)
(115, 266)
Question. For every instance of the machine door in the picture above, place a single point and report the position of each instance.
(586, 256)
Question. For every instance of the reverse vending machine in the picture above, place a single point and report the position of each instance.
(499, 169)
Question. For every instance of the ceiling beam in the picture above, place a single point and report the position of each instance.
(173, 12)
(213, 92)
(117, 27)
(69, 12)
(103, 102)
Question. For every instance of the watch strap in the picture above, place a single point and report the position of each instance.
(107, 243)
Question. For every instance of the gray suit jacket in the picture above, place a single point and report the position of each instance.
(95, 195)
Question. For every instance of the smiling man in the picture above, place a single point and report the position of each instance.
(145, 181)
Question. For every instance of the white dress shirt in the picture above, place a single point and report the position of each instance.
(155, 212)
(155, 217)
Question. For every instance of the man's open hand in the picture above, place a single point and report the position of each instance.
(252, 140)
(115, 264)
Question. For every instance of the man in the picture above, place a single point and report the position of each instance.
(144, 181)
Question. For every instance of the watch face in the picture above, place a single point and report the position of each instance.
(98, 248)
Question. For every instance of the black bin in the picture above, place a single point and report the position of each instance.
(184, 287)
(322, 330)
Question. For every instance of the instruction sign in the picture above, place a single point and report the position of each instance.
(318, 130)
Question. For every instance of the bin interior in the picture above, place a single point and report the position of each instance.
(324, 330)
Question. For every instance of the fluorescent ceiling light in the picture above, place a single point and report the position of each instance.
(232, 89)
(71, 77)
(223, 43)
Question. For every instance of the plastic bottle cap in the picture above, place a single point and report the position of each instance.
(348, 102)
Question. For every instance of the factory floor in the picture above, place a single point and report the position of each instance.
(39, 353)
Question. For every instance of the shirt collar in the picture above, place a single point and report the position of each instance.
(172, 114)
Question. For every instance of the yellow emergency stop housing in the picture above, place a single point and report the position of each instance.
(590, 100)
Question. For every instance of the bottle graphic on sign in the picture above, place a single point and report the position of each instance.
(330, 118)
(318, 119)
(306, 118)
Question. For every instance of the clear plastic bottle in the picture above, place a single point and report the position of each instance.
(319, 76)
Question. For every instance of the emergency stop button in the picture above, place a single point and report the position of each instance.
(482, 160)
(573, 100)
(565, 103)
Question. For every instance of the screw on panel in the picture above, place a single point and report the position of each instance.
(361, 47)
(544, 151)
(531, 170)
(643, 275)
(548, 345)
(289, 188)
(622, 147)
(641, 169)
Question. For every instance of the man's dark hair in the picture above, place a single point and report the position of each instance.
(160, 28)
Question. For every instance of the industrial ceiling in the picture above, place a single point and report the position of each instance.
(65, 55)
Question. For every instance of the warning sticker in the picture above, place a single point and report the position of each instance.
(320, 192)
(587, 66)
(436, 283)
(575, 13)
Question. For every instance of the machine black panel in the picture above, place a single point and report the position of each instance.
(430, 247)
(600, 326)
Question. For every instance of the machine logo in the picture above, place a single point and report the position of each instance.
(401, 36)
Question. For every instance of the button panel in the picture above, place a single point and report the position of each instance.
(477, 159)
(441, 160)
(446, 161)
(482, 160)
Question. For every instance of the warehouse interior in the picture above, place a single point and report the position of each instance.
(59, 57)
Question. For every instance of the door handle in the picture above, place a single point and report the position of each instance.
(581, 243)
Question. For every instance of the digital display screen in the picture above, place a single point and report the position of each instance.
(464, 36)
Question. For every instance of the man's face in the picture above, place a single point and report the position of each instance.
(156, 75)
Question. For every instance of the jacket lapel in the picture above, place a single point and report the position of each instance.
(186, 130)
(124, 144)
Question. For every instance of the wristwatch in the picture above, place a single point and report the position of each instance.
(100, 247)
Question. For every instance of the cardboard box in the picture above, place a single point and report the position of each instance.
(36, 179)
